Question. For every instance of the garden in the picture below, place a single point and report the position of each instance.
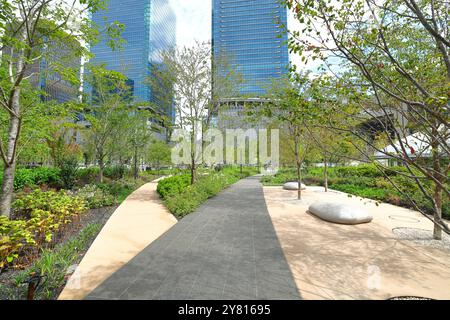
(181, 197)
(51, 227)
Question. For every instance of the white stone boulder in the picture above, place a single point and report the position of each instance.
(293, 186)
(340, 213)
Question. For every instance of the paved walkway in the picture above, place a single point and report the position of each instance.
(367, 261)
(227, 249)
(139, 220)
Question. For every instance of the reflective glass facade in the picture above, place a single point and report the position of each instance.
(150, 25)
(249, 31)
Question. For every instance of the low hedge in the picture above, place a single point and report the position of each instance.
(172, 186)
(181, 198)
(35, 177)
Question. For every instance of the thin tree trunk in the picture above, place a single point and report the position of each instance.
(437, 232)
(101, 165)
(325, 173)
(299, 169)
(136, 173)
(193, 171)
(193, 155)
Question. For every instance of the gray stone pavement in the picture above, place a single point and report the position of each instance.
(227, 249)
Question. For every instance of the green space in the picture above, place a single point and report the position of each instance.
(182, 197)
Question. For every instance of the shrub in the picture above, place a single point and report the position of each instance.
(53, 264)
(115, 172)
(87, 175)
(35, 177)
(14, 235)
(40, 215)
(182, 198)
(95, 197)
(68, 167)
(172, 186)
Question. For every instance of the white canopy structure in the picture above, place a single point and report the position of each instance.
(416, 146)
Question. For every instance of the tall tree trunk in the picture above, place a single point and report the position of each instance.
(438, 175)
(10, 165)
(7, 190)
(325, 174)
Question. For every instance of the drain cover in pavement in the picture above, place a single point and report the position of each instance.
(409, 298)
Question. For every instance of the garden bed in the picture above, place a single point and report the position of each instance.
(54, 263)
(182, 198)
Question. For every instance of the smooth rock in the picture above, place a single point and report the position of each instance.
(340, 213)
(293, 186)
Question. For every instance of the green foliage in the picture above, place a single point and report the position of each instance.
(182, 198)
(172, 186)
(87, 175)
(53, 264)
(35, 177)
(115, 172)
(68, 167)
(95, 197)
(159, 153)
(121, 189)
(14, 235)
(42, 216)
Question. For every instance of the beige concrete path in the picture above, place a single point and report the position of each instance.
(140, 219)
(331, 261)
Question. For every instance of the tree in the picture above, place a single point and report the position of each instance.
(194, 73)
(159, 154)
(395, 69)
(289, 102)
(139, 136)
(108, 114)
(26, 29)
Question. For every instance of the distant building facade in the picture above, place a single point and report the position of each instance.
(150, 26)
(251, 32)
(43, 74)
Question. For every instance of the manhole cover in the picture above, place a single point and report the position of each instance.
(404, 219)
(409, 298)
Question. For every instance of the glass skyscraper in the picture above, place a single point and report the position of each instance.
(250, 32)
(150, 26)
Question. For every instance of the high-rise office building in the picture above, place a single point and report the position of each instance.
(43, 74)
(150, 26)
(52, 84)
(251, 33)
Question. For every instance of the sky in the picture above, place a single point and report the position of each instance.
(194, 23)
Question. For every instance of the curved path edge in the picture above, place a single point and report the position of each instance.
(143, 213)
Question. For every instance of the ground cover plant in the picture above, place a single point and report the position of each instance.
(181, 197)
